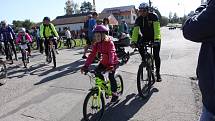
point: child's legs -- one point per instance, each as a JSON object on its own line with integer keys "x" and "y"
{"x": 113, "y": 81}
{"x": 99, "y": 69}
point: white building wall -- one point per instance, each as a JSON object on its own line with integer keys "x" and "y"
{"x": 72, "y": 27}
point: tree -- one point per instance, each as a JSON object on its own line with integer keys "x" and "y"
{"x": 175, "y": 18}
{"x": 164, "y": 21}
{"x": 170, "y": 15}
{"x": 17, "y": 23}
{"x": 86, "y": 7}
{"x": 26, "y": 24}
{"x": 71, "y": 7}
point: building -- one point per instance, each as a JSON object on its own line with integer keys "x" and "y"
{"x": 76, "y": 22}
{"x": 128, "y": 13}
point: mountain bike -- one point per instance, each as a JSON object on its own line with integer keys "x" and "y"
{"x": 63, "y": 42}
{"x": 94, "y": 103}
{"x": 25, "y": 54}
{"x": 146, "y": 74}
{"x": 51, "y": 51}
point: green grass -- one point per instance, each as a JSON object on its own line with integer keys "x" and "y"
{"x": 78, "y": 43}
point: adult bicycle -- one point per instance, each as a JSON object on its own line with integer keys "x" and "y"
{"x": 51, "y": 51}
{"x": 146, "y": 74}
{"x": 25, "y": 54}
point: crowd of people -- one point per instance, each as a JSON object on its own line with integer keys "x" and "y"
{"x": 97, "y": 33}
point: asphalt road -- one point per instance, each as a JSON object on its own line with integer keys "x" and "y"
{"x": 41, "y": 93}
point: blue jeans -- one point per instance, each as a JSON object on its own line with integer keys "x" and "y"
{"x": 206, "y": 115}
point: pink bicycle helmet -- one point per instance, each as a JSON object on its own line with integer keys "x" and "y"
{"x": 100, "y": 29}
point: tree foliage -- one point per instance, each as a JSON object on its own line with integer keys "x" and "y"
{"x": 71, "y": 7}
{"x": 164, "y": 21}
{"x": 86, "y": 7}
{"x": 26, "y": 24}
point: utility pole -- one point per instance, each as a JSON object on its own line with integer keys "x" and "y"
{"x": 150, "y": 3}
{"x": 94, "y": 5}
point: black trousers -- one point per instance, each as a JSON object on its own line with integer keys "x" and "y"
{"x": 156, "y": 55}
{"x": 68, "y": 42}
{"x": 101, "y": 68}
{"x": 6, "y": 47}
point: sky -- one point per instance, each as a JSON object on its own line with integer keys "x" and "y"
{"x": 35, "y": 10}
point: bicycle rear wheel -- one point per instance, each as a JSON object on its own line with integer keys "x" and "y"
{"x": 34, "y": 45}
{"x": 73, "y": 43}
{"x": 59, "y": 44}
{"x": 144, "y": 80}
{"x": 94, "y": 106}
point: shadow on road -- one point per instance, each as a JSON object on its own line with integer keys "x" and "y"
{"x": 63, "y": 71}
{"x": 126, "y": 109}
{"x": 24, "y": 71}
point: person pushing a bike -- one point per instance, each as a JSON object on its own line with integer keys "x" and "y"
{"x": 147, "y": 29}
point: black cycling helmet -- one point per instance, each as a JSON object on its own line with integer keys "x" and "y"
{"x": 46, "y": 18}
{"x": 144, "y": 6}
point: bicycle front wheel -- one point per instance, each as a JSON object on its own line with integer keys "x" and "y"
{"x": 120, "y": 85}
{"x": 144, "y": 80}
{"x": 94, "y": 106}
{"x": 54, "y": 58}
{"x": 24, "y": 59}
{"x": 3, "y": 73}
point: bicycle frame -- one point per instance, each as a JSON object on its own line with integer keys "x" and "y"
{"x": 100, "y": 85}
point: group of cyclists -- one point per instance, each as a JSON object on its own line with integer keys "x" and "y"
{"x": 146, "y": 28}
{"x": 7, "y": 36}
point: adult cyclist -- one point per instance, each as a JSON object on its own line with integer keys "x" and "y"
{"x": 47, "y": 30}
{"x": 8, "y": 35}
{"x": 146, "y": 29}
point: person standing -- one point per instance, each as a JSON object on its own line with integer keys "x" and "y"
{"x": 200, "y": 28}
{"x": 68, "y": 37}
{"x": 91, "y": 25}
{"x": 8, "y": 35}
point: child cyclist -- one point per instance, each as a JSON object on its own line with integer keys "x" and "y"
{"x": 24, "y": 38}
{"x": 109, "y": 62}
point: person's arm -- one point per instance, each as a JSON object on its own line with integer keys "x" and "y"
{"x": 156, "y": 27}
{"x": 200, "y": 27}
{"x": 136, "y": 30}
{"x": 41, "y": 31}
{"x": 91, "y": 57}
{"x": 54, "y": 30}
{"x": 28, "y": 37}
{"x": 12, "y": 32}
{"x": 111, "y": 53}
{"x": 18, "y": 39}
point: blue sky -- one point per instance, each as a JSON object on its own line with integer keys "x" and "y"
{"x": 35, "y": 10}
